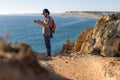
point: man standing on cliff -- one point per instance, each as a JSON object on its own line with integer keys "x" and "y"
{"x": 47, "y": 24}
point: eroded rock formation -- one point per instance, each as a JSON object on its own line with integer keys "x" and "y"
{"x": 104, "y": 39}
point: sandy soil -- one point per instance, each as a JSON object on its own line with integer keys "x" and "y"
{"x": 83, "y": 67}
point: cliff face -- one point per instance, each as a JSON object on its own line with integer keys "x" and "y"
{"x": 104, "y": 39}
{"x": 82, "y": 14}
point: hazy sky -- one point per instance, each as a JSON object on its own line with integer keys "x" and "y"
{"x": 57, "y": 6}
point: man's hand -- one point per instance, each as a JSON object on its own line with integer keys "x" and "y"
{"x": 38, "y": 22}
{"x": 41, "y": 23}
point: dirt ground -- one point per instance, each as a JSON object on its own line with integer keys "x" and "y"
{"x": 83, "y": 67}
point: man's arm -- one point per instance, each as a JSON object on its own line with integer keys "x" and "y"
{"x": 41, "y": 23}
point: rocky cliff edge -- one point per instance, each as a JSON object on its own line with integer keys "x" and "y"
{"x": 103, "y": 39}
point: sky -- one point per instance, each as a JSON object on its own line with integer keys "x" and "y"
{"x": 57, "y": 6}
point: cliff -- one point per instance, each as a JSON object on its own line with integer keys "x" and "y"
{"x": 104, "y": 39}
{"x": 86, "y": 14}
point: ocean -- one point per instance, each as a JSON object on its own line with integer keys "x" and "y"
{"x": 21, "y": 28}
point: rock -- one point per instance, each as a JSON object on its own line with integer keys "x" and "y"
{"x": 20, "y": 63}
{"x": 67, "y": 47}
{"x": 104, "y": 39}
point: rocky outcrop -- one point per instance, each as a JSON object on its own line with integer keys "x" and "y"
{"x": 104, "y": 39}
{"x": 67, "y": 48}
{"x": 19, "y": 62}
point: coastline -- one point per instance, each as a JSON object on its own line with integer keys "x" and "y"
{"x": 87, "y": 14}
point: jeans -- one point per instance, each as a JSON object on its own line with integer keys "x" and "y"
{"x": 47, "y": 44}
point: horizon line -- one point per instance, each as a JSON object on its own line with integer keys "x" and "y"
{"x": 18, "y": 13}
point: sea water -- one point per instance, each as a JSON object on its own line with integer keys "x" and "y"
{"x": 21, "y": 28}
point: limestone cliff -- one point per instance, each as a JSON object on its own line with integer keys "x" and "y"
{"x": 104, "y": 39}
{"x": 85, "y": 14}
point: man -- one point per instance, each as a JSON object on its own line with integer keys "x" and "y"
{"x": 47, "y": 24}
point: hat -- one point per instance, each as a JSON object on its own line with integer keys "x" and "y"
{"x": 46, "y": 11}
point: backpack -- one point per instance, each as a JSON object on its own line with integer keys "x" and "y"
{"x": 53, "y": 26}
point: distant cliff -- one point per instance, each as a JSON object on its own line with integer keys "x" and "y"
{"x": 104, "y": 39}
{"x": 86, "y": 14}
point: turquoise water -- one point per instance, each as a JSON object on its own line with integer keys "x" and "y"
{"x": 21, "y": 28}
